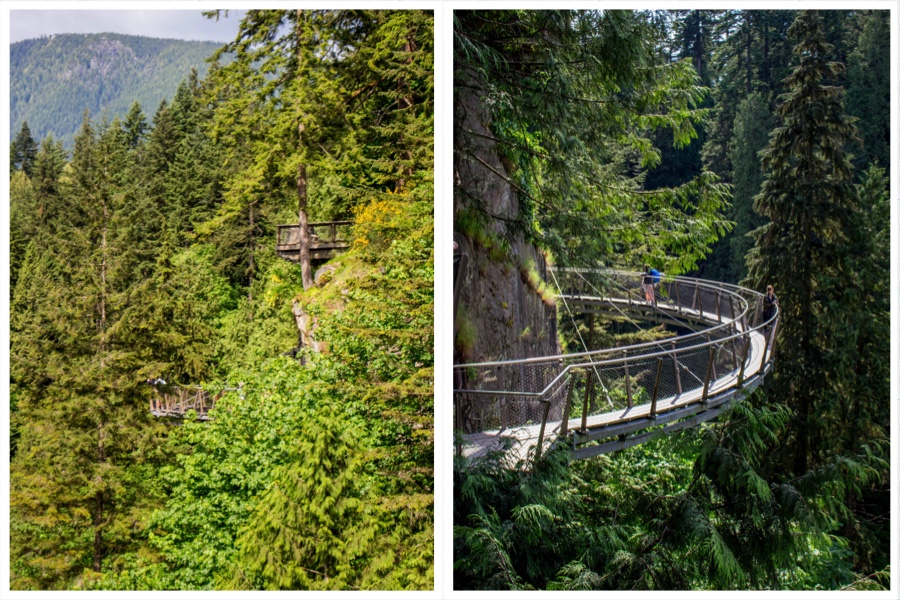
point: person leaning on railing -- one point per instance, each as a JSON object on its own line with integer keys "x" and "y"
{"x": 770, "y": 301}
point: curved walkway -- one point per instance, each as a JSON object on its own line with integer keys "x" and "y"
{"x": 606, "y": 400}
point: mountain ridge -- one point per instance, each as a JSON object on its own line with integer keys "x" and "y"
{"x": 55, "y": 78}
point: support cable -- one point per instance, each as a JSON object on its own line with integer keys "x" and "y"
{"x": 583, "y": 345}
{"x": 630, "y": 320}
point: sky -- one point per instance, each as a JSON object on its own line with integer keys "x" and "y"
{"x": 177, "y": 24}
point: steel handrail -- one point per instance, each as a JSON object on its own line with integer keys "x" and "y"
{"x": 625, "y": 359}
{"x": 557, "y": 357}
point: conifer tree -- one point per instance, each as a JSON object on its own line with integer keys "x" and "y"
{"x": 135, "y": 125}
{"x": 868, "y": 90}
{"x": 23, "y": 150}
{"x": 84, "y": 470}
{"x": 751, "y": 133}
{"x": 809, "y": 198}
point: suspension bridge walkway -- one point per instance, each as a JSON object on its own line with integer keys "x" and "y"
{"x": 599, "y": 401}
{"x": 176, "y": 401}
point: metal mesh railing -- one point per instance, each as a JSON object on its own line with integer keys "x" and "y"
{"x": 612, "y": 385}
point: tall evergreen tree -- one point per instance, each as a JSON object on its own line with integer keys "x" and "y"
{"x": 23, "y": 150}
{"x": 809, "y": 198}
{"x": 752, "y": 126}
{"x": 135, "y": 125}
{"x": 868, "y": 91}
{"x": 84, "y": 472}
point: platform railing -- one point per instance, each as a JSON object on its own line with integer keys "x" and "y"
{"x": 603, "y": 387}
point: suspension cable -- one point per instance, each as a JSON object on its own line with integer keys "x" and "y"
{"x": 583, "y": 344}
{"x": 630, "y": 320}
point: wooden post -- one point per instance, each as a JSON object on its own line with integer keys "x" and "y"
{"x": 627, "y": 379}
{"x": 709, "y": 371}
{"x": 564, "y": 427}
{"x": 540, "y": 444}
{"x": 677, "y": 369}
{"x": 588, "y": 384}
{"x": 659, "y": 362}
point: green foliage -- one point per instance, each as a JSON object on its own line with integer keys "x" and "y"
{"x": 809, "y": 198}
{"x": 23, "y": 150}
{"x": 752, "y": 125}
{"x": 573, "y": 98}
{"x": 868, "y": 91}
{"x": 697, "y": 511}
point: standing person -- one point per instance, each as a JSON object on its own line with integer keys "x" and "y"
{"x": 770, "y": 301}
{"x": 649, "y": 283}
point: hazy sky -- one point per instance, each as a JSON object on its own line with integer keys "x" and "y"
{"x": 177, "y": 24}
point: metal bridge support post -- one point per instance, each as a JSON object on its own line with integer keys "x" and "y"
{"x": 564, "y": 426}
{"x": 540, "y": 444}
{"x": 733, "y": 333}
{"x": 774, "y": 331}
{"x": 699, "y": 302}
{"x": 767, "y": 335}
{"x": 747, "y": 343}
{"x": 677, "y": 297}
{"x": 588, "y": 387}
{"x": 714, "y": 374}
{"x": 677, "y": 369}
{"x": 659, "y": 362}
{"x": 718, "y": 306}
{"x": 627, "y": 379}
{"x": 709, "y": 371}
{"x": 696, "y": 295}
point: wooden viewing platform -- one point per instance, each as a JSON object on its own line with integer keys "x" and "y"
{"x": 326, "y": 239}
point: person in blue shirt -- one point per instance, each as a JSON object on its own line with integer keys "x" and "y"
{"x": 650, "y": 284}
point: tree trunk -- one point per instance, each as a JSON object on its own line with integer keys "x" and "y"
{"x": 749, "y": 58}
{"x": 251, "y": 264}
{"x": 305, "y": 268}
{"x": 98, "y": 534}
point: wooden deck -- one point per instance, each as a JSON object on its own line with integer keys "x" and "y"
{"x": 326, "y": 240}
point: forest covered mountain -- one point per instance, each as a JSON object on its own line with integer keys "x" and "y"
{"x": 54, "y": 79}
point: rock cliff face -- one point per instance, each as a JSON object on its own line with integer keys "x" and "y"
{"x": 501, "y": 315}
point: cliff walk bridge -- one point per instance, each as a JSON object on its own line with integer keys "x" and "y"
{"x": 176, "y": 401}
{"x": 605, "y": 400}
